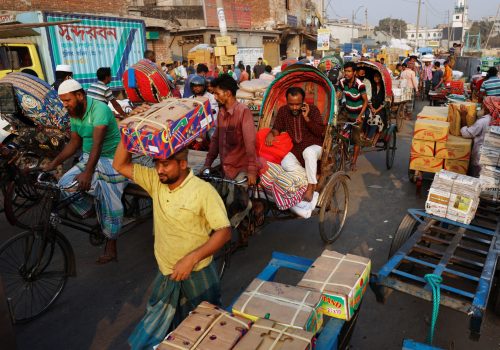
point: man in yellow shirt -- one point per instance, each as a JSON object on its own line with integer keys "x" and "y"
{"x": 190, "y": 225}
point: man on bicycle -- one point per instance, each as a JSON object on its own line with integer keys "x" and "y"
{"x": 94, "y": 129}
{"x": 190, "y": 225}
{"x": 356, "y": 101}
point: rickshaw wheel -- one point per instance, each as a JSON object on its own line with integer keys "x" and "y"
{"x": 400, "y": 116}
{"x": 334, "y": 206}
{"x": 406, "y": 228}
{"x": 390, "y": 149}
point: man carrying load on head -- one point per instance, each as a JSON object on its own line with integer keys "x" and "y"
{"x": 94, "y": 129}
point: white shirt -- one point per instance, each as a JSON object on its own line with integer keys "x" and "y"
{"x": 476, "y": 131}
{"x": 213, "y": 103}
{"x": 368, "y": 86}
{"x": 266, "y": 76}
{"x": 182, "y": 72}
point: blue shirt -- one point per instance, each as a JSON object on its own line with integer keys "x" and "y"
{"x": 187, "y": 86}
{"x": 491, "y": 87}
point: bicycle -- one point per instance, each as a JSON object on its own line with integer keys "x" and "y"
{"x": 35, "y": 264}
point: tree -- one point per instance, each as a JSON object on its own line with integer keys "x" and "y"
{"x": 395, "y": 27}
{"x": 483, "y": 28}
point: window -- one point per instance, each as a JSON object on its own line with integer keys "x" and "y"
{"x": 457, "y": 17}
{"x": 413, "y": 35}
{"x": 434, "y": 35}
{"x": 287, "y": 4}
{"x": 420, "y": 35}
{"x": 15, "y": 57}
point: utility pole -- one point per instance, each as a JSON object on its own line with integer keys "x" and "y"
{"x": 463, "y": 26}
{"x": 221, "y": 17}
{"x": 390, "y": 26}
{"x": 449, "y": 29}
{"x": 418, "y": 22}
{"x": 366, "y": 21}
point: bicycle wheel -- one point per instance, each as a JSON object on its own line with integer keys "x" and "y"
{"x": 34, "y": 268}
{"x": 400, "y": 116}
{"x": 390, "y": 149}
{"x": 21, "y": 201}
{"x": 222, "y": 258}
{"x": 334, "y": 207}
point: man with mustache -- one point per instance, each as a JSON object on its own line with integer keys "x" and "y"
{"x": 95, "y": 131}
{"x": 305, "y": 125}
{"x": 190, "y": 225}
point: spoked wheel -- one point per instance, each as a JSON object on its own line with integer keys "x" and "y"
{"x": 406, "y": 228}
{"x": 400, "y": 116}
{"x": 334, "y": 207}
{"x": 339, "y": 157}
{"x": 34, "y": 270}
{"x": 221, "y": 259}
{"x": 21, "y": 201}
{"x": 390, "y": 148}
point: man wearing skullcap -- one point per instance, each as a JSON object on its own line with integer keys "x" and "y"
{"x": 63, "y": 72}
{"x": 95, "y": 131}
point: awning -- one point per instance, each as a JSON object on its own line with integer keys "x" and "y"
{"x": 310, "y": 37}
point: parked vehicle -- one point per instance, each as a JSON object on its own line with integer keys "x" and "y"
{"x": 85, "y": 42}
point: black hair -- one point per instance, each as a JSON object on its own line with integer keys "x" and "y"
{"x": 241, "y": 66}
{"x": 163, "y": 64}
{"x": 249, "y": 71}
{"x": 398, "y": 65}
{"x": 103, "y": 73}
{"x": 350, "y": 64}
{"x": 404, "y": 65}
{"x": 492, "y": 72}
{"x": 268, "y": 69}
{"x": 226, "y": 82}
{"x": 201, "y": 68}
{"x": 63, "y": 75}
{"x": 294, "y": 91}
{"x": 191, "y": 61}
{"x": 358, "y": 68}
{"x": 30, "y": 72}
{"x": 381, "y": 58}
{"x": 149, "y": 54}
{"x": 184, "y": 61}
{"x": 437, "y": 64}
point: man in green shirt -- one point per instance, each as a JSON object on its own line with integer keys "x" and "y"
{"x": 94, "y": 129}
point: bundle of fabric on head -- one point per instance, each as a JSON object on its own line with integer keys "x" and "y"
{"x": 146, "y": 82}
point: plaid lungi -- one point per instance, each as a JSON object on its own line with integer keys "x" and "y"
{"x": 171, "y": 302}
{"x": 106, "y": 192}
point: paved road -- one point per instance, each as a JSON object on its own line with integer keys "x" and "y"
{"x": 100, "y": 307}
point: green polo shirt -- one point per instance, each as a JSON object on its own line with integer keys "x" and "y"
{"x": 97, "y": 113}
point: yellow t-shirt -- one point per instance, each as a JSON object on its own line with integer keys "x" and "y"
{"x": 183, "y": 218}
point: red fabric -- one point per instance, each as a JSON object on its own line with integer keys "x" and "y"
{"x": 282, "y": 144}
{"x": 151, "y": 82}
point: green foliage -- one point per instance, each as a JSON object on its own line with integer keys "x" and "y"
{"x": 394, "y": 26}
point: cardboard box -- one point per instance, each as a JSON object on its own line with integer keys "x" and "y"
{"x": 269, "y": 335}
{"x": 207, "y": 327}
{"x": 223, "y": 40}
{"x": 434, "y": 113}
{"x": 166, "y": 127}
{"x": 424, "y": 163}
{"x": 287, "y": 305}
{"x": 219, "y": 51}
{"x": 342, "y": 279}
{"x": 231, "y": 50}
{"x": 422, "y": 147}
{"x": 454, "y": 148}
{"x": 457, "y": 166}
{"x": 431, "y": 130}
{"x": 226, "y": 60}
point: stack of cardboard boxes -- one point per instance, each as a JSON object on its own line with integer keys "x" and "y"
{"x": 433, "y": 146}
{"x": 271, "y": 315}
{"x": 225, "y": 51}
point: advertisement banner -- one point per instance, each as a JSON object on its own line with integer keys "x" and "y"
{"x": 323, "y": 39}
{"x": 96, "y": 42}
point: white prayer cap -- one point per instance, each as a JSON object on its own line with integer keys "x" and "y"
{"x": 69, "y": 85}
{"x": 64, "y": 68}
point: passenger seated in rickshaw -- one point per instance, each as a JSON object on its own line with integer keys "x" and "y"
{"x": 305, "y": 125}
{"x": 377, "y": 120}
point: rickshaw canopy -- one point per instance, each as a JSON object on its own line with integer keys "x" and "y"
{"x": 372, "y": 67}
{"x": 332, "y": 60}
{"x": 318, "y": 88}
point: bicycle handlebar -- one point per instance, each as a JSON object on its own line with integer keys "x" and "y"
{"x": 206, "y": 176}
{"x": 54, "y": 185}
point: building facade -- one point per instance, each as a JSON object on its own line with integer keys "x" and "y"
{"x": 426, "y": 37}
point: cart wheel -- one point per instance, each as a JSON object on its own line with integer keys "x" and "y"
{"x": 406, "y": 228}
{"x": 21, "y": 201}
{"x": 400, "y": 116}
{"x": 390, "y": 149}
{"x": 334, "y": 208}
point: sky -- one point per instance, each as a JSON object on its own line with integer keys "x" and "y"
{"x": 407, "y": 10}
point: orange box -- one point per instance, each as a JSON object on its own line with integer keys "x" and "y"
{"x": 431, "y": 130}
{"x": 424, "y": 163}
{"x": 434, "y": 113}
{"x": 454, "y": 148}
{"x": 422, "y": 147}
{"x": 457, "y": 165}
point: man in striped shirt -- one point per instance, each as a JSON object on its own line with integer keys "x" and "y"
{"x": 491, "y": 86}
{"x": 100, "y": 90}
{"x": 356, "y": 100}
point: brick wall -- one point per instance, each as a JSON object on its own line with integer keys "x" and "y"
{"x": 260, "y": 10}
{"x": 86, "y": 6}
{"x": 160, "y": 47}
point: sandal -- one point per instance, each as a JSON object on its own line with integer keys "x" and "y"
{"x": 105, "y": 258}
{"x": 258, "y": 212}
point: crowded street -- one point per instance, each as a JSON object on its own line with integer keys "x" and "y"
{"x": 259, "y": 175}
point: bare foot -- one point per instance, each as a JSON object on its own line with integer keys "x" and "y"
{"x": 110, "y": 253}
{"x": 308, "y": 195}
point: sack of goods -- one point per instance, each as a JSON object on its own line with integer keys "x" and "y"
{"x": 146, "y": 82}
{"x": 342, "y": 281}
{"x": 37, "y": 101}
{"x": 288, "y": 305}
{"x": 490, "y": 165}
{"x": 166, "y": 127}
{"x": 454, "y": 116}
{"x": 453, "y": 196}
{"x": 207, "y": 327}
